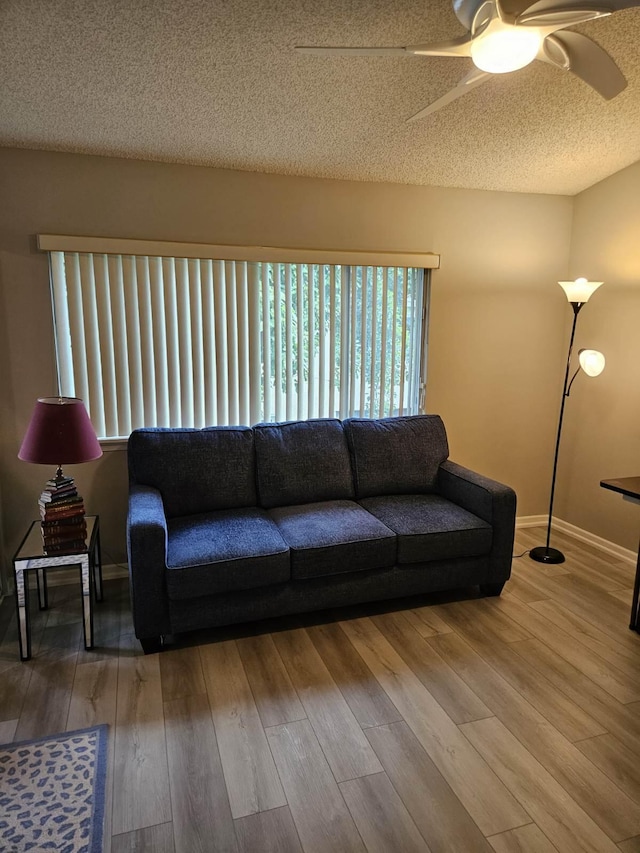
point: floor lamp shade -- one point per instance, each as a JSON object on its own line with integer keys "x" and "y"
{"x": 59, "y": 433}
{"x": 591, "y": 361}
{"x": 579, "y": 290}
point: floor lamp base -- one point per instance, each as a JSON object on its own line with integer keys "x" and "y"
{"x": 546, "y": 555}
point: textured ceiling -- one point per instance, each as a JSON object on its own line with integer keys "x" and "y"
{"x": 217, "y": 82}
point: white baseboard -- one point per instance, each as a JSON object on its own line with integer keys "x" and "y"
{"x": 113, "y": 571}
{"x": 605, "y": 545}
{"x": 62, "y": 577}
{"x": 585, "y": 536}
{"x": 531, "y": 521}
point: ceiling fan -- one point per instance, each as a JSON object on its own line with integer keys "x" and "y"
{"x": 505, "y": 35}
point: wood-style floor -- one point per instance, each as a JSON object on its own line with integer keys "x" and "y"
{"x": 444, "y": 724}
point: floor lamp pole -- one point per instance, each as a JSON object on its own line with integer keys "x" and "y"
{"x": 545, "y": 554}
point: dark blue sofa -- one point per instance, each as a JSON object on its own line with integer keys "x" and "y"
{"x": 234, "y": 524}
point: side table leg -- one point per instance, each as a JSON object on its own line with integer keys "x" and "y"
{"x": 96, "y": 558}
{"x": 87, "y": 604}
{"x": 43, "y": 595}
{"x": 22, "y": 604}
{"x": 636, "y": 594}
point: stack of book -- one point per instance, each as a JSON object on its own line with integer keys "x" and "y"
{"x": 63, "y": 525}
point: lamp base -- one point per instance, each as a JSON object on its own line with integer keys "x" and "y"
{"x": 546, "y": 555}
{"x": 62, "y": 519}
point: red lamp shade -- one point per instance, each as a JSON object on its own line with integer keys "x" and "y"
{"x": 59, "y": 433}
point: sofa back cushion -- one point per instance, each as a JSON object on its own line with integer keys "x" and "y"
{"x": 302, "y": 462}
{"x": 195, "y": 470}
{"x": 395, "y": 456}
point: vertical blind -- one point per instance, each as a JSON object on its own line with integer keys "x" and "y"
{"x": 163, "y": 341}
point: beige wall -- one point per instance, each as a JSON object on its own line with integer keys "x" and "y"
{"x": 602, "y": 439}
{"x": 497, "y": 319}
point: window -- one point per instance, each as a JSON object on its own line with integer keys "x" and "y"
{"x": 158, "y": 340}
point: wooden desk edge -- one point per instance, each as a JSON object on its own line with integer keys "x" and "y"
{"x": 616, "y": 485}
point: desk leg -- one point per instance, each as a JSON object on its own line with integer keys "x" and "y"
{"x": 22, "y": 604}
{"x": 636, "y": 594}
{"x": 87, "y": 608}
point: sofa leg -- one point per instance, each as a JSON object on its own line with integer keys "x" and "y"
{"x": 491, "y": 588}
{"x": 150, "y": 645}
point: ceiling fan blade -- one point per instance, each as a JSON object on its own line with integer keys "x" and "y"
{"x": 354, "y": 51}
{"x": 473, "y": 79}
{"x": 466, "y": 10}
{"x": 475, "y": 15}
{"x": 454, "y": 47}
{"x": 586, "y": 59}
{"x": 555, "y": 8}
{"x": 560, "y": 16}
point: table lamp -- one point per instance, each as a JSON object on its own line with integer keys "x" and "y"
{"x": 60, "y": 433}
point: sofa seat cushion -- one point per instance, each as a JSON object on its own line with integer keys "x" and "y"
{"x": 330, "y": 537}
{"x": 222, "y": 551}
{"x": 430, "y": 527}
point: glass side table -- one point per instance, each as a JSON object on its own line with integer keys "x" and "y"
{"x": 31, "y": 556}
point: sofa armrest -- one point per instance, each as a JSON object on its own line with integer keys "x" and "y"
{"x": 147, "y": 550}
{"x": 491, "y": 501}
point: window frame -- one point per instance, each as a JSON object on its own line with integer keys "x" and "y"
{"x": 173, "y": 250}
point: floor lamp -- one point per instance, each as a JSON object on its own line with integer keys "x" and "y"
{"x": 592, "y": 362}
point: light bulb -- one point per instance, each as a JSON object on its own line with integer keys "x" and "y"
{"x": 579, "y": 290}
{"x": 591, "y": 361}
{"x": 505, "y": 47}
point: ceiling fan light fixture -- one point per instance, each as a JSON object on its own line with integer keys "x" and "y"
{"x": 506, "y": 35}
{"x": 505, "y": 48}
